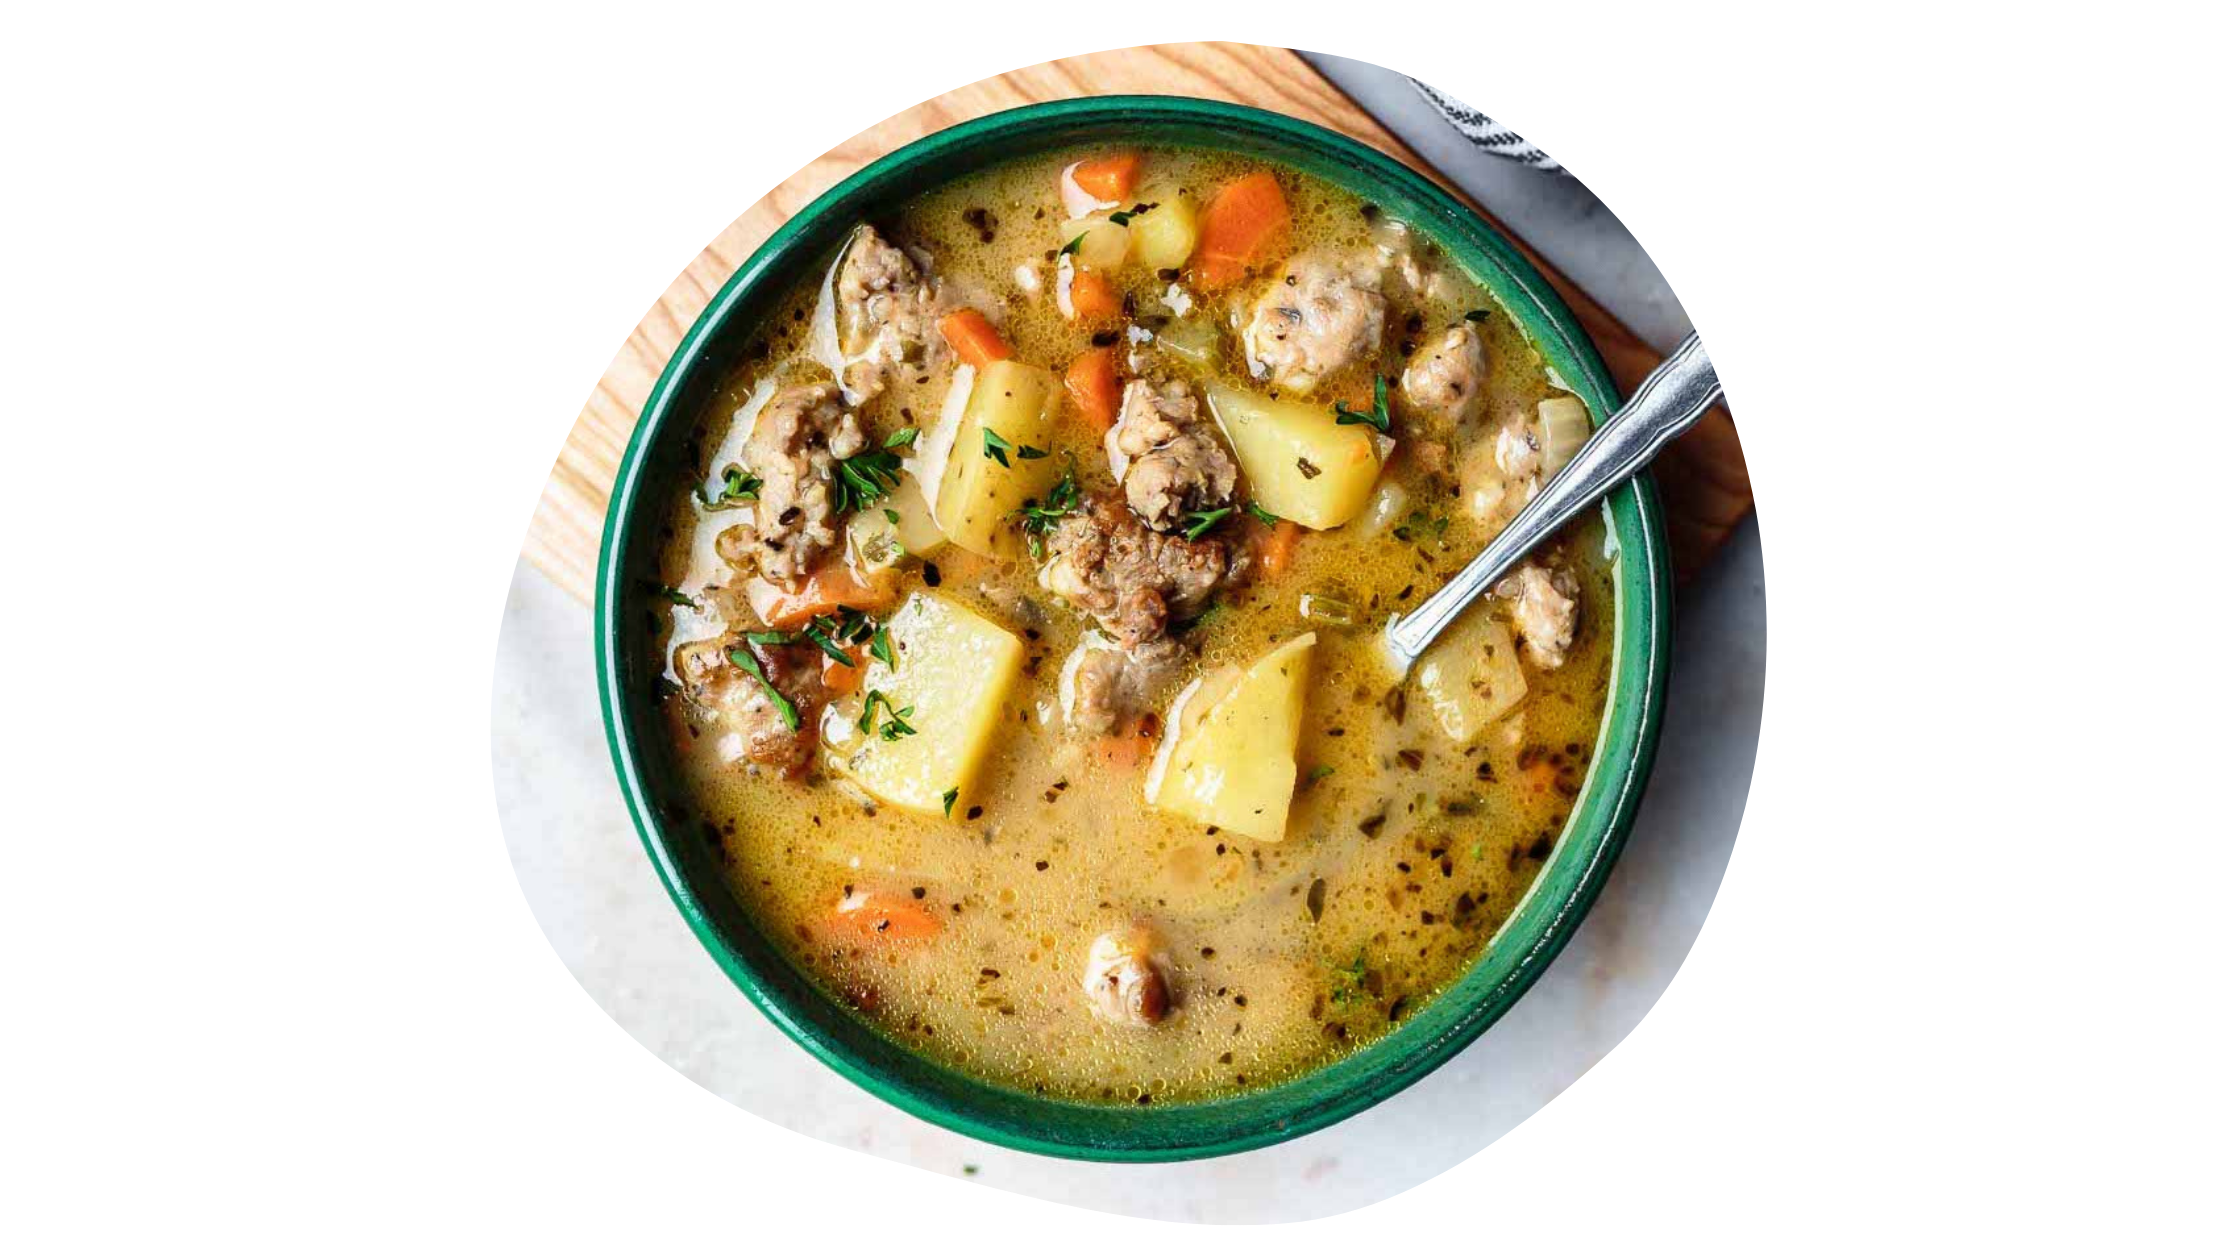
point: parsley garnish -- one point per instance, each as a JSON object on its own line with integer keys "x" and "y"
{"x": 738, "y": 483}
{"x": 1319, "y": 773}
{"x": 822, "y": 637}
{"x": 894, "y": 727}
{"x": 1200, "y": 522}
{"x": 901, "y": 437}
{"x": 1265, "y": 516}
{"x": 1074, "y": 246}
{"x": 893, "y": 517}
{"x": 786, "y": 712}
{"x": 1476, "y": 317}
{"x": 1033, "y": 452}
{"x": 1381, "y": 418}
{"x": 882, "y": 648}
{"x": 830, "y": 633}
{"x": 862, "y": 480}
{"x": 1121, "y": 217}
{"x": 1039, "y": 518}
{"x": 949, "y": 802}
{"x": 995, "y": 446}
{"x": 679, "y": 598}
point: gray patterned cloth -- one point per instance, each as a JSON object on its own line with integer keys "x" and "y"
{"x": 1486, "y": 133}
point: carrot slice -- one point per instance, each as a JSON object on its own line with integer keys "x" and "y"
{"x": 885, "y": 916}
{"x": 1109, "y": 178}
{"x": 1094, "y": 299}
{"x": 840, "y": 679}
{"x": 1245, "y": 225}
{"x": 975, "y": 340}
{"x": 822, "y": 593}
{"x": 1093, "y": 379}
{"x": 1277, "y": 546}
{"x": 1124, "y": 752}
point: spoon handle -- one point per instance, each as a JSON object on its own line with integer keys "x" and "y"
{"x": 1674, "y": 397}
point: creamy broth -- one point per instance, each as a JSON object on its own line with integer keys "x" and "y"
{"x": 1405, "y": 848}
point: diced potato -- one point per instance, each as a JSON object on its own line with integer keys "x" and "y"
{"x": 1195, "y": 341}
{"x": 1104, "y": 244}
{"x": 979, "y": 494}
{"x": 1303, "y": 465}
{"x": 1471, "y": 676}
{"x": 1564, "y": 428}
{"x": 1166, "y": 234}
{"x": 877, "y": 542}
{"x": 1236, "y": 767}
{"x": 953, "y": 672}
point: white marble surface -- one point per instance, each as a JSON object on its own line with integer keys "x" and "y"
{"x": 597, "y": 898}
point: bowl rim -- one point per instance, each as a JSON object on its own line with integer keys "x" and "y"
{"x": 1547, "y": 914}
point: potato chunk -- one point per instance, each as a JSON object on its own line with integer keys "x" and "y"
{"x": 1166, "y": 234}
{"x": 1236, "y": 767}
{"x": 899, "y": 525}
{"x": 1471, "y": 675}
{"x": 988, "y": 479}
{"x": 953, "y": 669}
{"x": 1303, "y": 465}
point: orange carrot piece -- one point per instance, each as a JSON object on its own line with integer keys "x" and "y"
{"x": 1132, "y": 746}
{"x": 822, "y": 593}
{"x": 840, "y": 679}
{"x": 1277, "y": 546}
{"x": 975, "y": 340}
{"x": 1094, "y": 299}
{"x": 1124, "y": 752}
{"x": 1093, "y": 379}
{"x": 1245, "y": 225}
{"x": 1109, "y": 178}
{"x": 885, "y": 916}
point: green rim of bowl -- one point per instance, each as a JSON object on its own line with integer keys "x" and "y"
{"x": 1544, "y": 920}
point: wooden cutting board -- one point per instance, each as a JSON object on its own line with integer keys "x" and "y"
{"x": 1705, "y": 483}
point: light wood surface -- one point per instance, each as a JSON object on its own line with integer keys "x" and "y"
{"x": 1706, "y": 485}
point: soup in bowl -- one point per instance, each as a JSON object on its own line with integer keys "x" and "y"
{"x": 991, "y": 619}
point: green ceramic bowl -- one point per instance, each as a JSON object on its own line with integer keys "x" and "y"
{"x": 689, "y": 859}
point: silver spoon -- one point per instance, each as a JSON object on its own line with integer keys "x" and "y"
{"x": 1674, "y": 397}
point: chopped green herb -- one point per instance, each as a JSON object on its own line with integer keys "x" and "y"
{"x": 786, "y": 712}
{"x": 1420, "y": 522}
{"x": 1319, "y": 773}
{"x": 738, "y": 483}
{"x": 862, "y": 480}
{"x": 1200, "y": 522}
{"x": 1265, "y": 516}
{"x": 679, "y": 598}
{"x": 882, "y": 648}
{"x": 1380, "y": 419}
{"x": 1033, "y": 452}
{"x": 1477, "y": 317}
{"x": 1121, "y": 217}
{"x": 901, "y": 437}
{"x": 1074, "y": 246}
{"x": 949, "y": 802}
{"x": 893, "y": 517}
{"x": 1039, "y": 518}
{"x": 772, "y": 638}
{"x": 995, "y": 446}
{"x": 970, "y": 1170}
{"x": 894, "y": 727}
{"x": 821, "y": 635}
